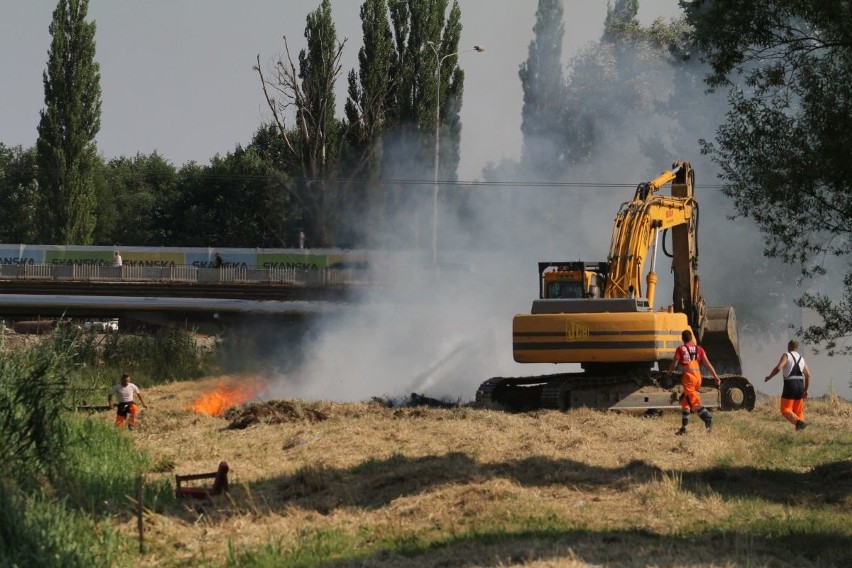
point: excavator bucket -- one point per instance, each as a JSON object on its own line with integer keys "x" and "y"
{"x": 720, "y": 341}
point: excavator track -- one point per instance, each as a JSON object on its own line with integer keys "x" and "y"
{"x": 624, "y": 391}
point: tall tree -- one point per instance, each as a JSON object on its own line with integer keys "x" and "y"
{"x": 19, "y": 192}
{"x": 369, "y": 105}
{"x": 621, "y": 19}
{"x": 451, "y": 85}
{"x": 409, "y": 145}
{"x": 69, "y": 123}
{"x": 543, "y": 83}
{"x": 369, "y": 111}
{"x": 785, "y": 144}
{"x": 391, "y": 111}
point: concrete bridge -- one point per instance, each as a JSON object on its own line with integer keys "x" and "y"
{"x": 174, "y": 295}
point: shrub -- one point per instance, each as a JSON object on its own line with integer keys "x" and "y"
{"x": 32, "y": 389}
{"x": 38, "y": 531}
{"x": 167, "y": 355}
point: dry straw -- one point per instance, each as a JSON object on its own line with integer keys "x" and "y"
{"x": 431, "y": 473}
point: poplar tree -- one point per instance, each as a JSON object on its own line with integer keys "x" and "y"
{"x": 621, "y": 20}
{"x": 409, "y": 146}
{"x": 66, "y": 148}
{"x": 369, "y": 111}
{"x": 415, "y": 23}
{"x": 369, "y": 106}
{"x": 543, "y": 123}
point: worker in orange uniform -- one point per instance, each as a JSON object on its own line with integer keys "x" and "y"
{"x": 797, "y": 380}
{"x": 125, "y": 408}
{"x": 691, "y": 356}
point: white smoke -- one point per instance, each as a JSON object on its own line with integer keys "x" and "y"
{"x": 441, "y": 333}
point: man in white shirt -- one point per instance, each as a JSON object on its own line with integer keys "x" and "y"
{"x": 124, "y": 393}
{"x": 797, "y": 379}
{"x": 116, "y": 260}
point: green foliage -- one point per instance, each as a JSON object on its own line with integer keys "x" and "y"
{"x": 56, "y": 465}
{"x": 238, "y": 200}
{"x": 137, "y": 206}
{"x": 369, "y": 106}
{"x": 61, "y": 191}
{"x": 612, "y": 89}
{"x": 369, "y": 111}
{"x": 452, "y": 89}
{"x": 407, "y": 143}
{"x": 784, "y": 146}
{"x": 103, "y": 468}
{"x": 36, "y": 530}
{"x": 67, "y": 154}
{"x": 319, "y": 67}
{"x": 314, "y": 547}
{"x": 166, "y": 355}
{"x": 34, "y": 435}
{"x": 19, "y": 193}
{"x": 313, "y": 143}
{"x": 621, "y": 19}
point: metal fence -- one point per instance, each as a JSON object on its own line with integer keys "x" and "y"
{"x": 182, "y": 273}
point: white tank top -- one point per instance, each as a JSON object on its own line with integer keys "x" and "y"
{"x": 788, "y": 366}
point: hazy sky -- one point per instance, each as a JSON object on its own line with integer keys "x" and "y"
{"x": 177, "y": 74}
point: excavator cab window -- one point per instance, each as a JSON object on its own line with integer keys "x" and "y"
{"x": 565, "y": 290}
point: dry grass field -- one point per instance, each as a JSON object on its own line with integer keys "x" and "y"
{"x": 362, "y": 484}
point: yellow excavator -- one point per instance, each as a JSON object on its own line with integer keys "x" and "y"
{"x": 600, "y": 315}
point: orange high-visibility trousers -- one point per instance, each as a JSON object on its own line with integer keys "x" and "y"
{"x": 793, "y": 409}
{"x": 132, "y": 410}
{"x": 689, "y": 400}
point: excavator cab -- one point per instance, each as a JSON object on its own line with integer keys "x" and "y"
{"x": 571, "y": 279}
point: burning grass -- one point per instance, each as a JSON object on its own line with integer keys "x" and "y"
{"x": 230, "y": 392}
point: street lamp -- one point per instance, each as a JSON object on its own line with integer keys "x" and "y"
{"x": 438, "y": 62}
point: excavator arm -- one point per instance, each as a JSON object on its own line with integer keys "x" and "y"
{"x": 636, "y": 232}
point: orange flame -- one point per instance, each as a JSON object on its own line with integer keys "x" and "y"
{"x": 215, "y": 403}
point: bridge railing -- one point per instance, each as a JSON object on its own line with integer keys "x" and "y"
{"x": 181, "y": 273}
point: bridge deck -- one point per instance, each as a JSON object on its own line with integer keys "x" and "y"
{"x": 183, "y": 293}
{"x": 283, "y": 284}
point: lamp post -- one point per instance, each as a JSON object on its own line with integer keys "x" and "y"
{"x": 439, "y": 60}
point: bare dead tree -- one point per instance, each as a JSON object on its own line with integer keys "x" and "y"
{"x": 315, "y": 140}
